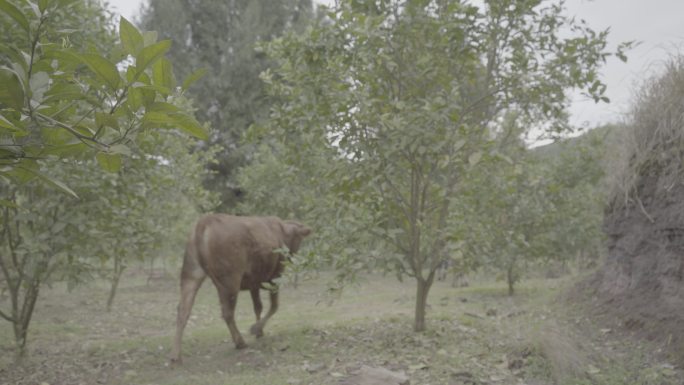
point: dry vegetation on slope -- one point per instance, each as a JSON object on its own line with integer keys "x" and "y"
{"x": 643, "y": 278}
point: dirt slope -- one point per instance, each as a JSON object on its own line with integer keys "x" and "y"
{"x": 642, "y": 277}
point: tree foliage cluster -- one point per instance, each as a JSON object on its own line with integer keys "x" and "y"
{"x": 539, "y": 207}
{"x": 95, "y": 162}
{"x": 220, "y": 37}
{"x": 397, "y": 115}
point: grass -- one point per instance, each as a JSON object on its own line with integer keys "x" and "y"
{"x": 477, "y": 335}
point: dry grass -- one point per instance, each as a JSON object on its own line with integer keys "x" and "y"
{"x": 651, "y": 140}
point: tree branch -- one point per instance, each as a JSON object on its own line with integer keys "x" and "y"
{"x": 5, "y": 316}
{"x": 83, "y": 138}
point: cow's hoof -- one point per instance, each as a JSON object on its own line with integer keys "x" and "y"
{"x": 257, "y": 330}
{"x": 175, "y": 361}
{"x": 240, "y": 345}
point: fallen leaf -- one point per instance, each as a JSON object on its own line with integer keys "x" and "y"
{"x": 593, "y": 370}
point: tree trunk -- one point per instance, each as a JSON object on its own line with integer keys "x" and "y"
{"x": 22, "y": 316}
{"x": 511, "y": 279}
{"x": 422, "y": 290}
{"x": 20, "y": 337}
{"x": 116, "y": 276}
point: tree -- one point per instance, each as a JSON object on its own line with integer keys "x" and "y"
{"x": 143, "y": 210}
{"x": 578, "y": 193}
{"x": 409, "y": 96}
{"x": 514, "y": 206}
{"x": 220, "y": 37}
{"x": 153, "y": 199}
{"x": 64, "y": 101}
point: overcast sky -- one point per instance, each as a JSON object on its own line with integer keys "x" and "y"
{"x": 657, "y": 24}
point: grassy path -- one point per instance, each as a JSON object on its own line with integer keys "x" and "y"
{"x": 477, "y": 335}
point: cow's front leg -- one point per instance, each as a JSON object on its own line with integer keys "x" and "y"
{"x": 258, "y": 328}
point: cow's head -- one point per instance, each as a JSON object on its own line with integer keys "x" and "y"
{"x": 294, "y": 232}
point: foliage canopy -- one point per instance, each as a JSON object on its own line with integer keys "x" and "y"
{"x": 403, "y": 100}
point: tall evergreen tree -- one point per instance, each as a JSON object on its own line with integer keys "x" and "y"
{"x": 220, "y": 36}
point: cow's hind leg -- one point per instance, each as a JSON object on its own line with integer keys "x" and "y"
{"x": 258, "y": 307}
{"x": 228, "y": 289}
{"x": 190, "y": 283}
{"x": 258, "y": 328}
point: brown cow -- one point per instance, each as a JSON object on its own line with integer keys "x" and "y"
{"x": 237, "y": 253}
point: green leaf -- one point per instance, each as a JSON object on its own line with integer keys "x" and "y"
{"x": 63, "y": 92}
{"x": 5, "y": 123}
{"x": 39, "y": 84}
{"x": 120, "y": 149}
{"x": 56, "y": 183}
{"x": 193, "y": 77}
{"x": 28, "y": 170}
{"x": 16, "y": 14}
{"x": 67, "y": 150}
{"x": 191, "y": 126}
{"x": 109, "y": 162}
{"x": 150, "y": 37}
{"x": 149, "y": 55}
{"x": 162, "y": 107}
{"x": 131, "y": 38}
{"x": 67, "y": 59}
{"x": 103, "y": 68}
{"x": 103, "y": 119}
{"x": 11, "y": 89}
{"x": 162, "y": 74}
{"x": 474, "y": 158}
{"x": 154, "y": 119}
{"x": 135, "y": 99}
{"x": 36, "y": 10}
{"x": 15, "y": 55}
{"x": 175, "y": 120}
{"x": 6, "y": 203}
{"x": 54, "y": 136}
{"x": 43, "y": 4}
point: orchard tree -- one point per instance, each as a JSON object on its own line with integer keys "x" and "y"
{"x": 143, "y": 209}
{"x": 514, "y": 207}
{"x": 536, "y": 206}
{"x": 219, "y": 37}
{"x": 580, "y": 193}
{"x": 64, "y": 100}
{"x": 409, "y": 96}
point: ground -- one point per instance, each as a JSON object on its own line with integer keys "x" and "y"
{"x": 476, "y": 335}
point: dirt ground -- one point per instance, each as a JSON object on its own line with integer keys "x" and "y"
{"x": 477, "y": 335}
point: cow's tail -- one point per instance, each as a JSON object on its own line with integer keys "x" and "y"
{"x": 201, "y": 246}
{"x": 201, "y": 243}
{"x": 194, "y": 261}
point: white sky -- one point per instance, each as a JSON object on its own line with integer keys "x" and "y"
{"x": 657, "y": 24}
